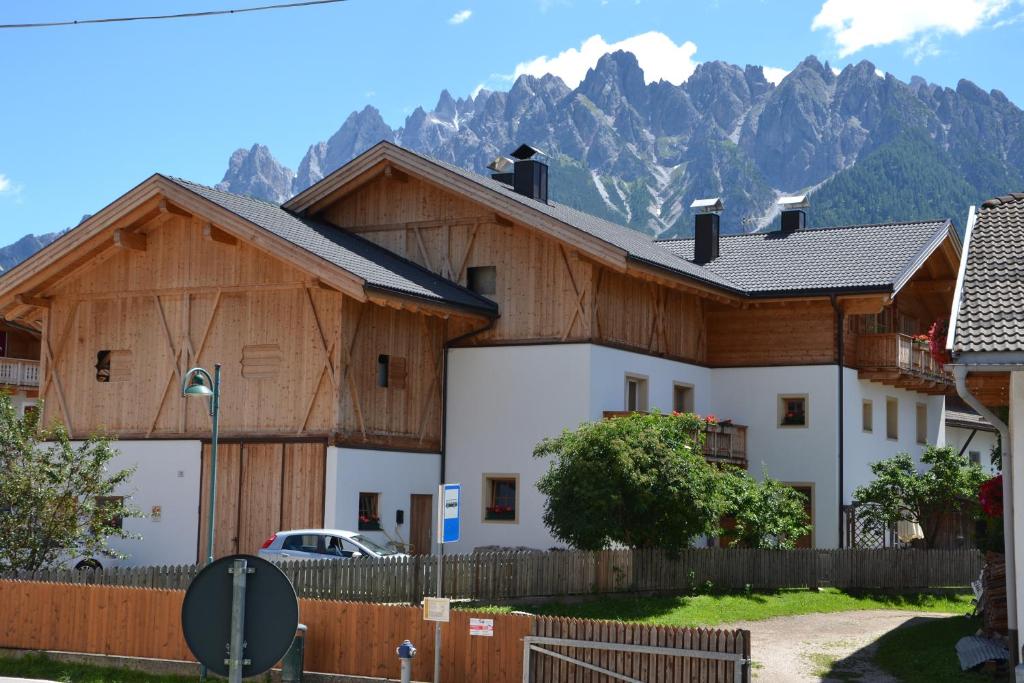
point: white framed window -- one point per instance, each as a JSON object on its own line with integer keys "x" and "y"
{"x": 682, "y": 398}
{"x": 892, "y": 418}
{"x": 922, "y": 423}
{"x": 501, "y": 498}
{"x": 636, "y": 393}
{"x": 867, "y": 415}
{"x": 793, "y": 410}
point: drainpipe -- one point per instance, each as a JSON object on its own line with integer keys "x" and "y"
{"x": 960, "y": 375}
{"x": 840, "y": 352}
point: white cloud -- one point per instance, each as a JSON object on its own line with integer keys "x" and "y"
{"x": 774, "y": 74}
{"x": 658, "y": 55}
{"x": 460, "y": 17}
{"x": 5, "y": 184}
{"x": 857, "y": 24}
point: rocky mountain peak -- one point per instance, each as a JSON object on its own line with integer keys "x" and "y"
{"x": 257, "y": 173}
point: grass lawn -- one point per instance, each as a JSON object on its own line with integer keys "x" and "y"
{"x": 724, "y": 608}
{"x": 924, "y": 653}
{"x": 41, "y": 666}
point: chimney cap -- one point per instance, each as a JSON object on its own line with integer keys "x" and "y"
{"x": 795, "y": 202}
{"x": 501, "y": 164}
{"x": 711, "y": 205}
{"x": 524, "y": 152}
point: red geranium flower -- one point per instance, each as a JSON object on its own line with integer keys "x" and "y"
{"x": 990, "y": 495}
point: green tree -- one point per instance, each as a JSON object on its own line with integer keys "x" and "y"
{"x": 901, "y": 492}
{"x": 56, "y": 499}
{"x": 768, "y": 513}
{"x": 638, "y": 480}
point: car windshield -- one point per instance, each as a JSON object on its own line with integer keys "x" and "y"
{"x": 370, "y": 545}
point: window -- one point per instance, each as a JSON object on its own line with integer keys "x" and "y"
{"x": 867, "y": 416}
{"x": 922, "y": 423}
{"x": 338, "y": 547}
{"x": 975, "y": 457}
{"x": 793, "y": 411}
{"x": 482, "y": 280}
{"x": 304, "y": 543}
{"x": 106, "y": 511}
{"x": 383, "y": 365}
{"x": 369, "y": 515}
{"x": 501, "y": 500}
{"x": 636, "y": 393}
{"x": 892, "y": 418}
{"x": 682, "y": 398}
{"x": 391, "y": 371}
{"x": 30, "y": 409}
{"x": 113, "y": 365}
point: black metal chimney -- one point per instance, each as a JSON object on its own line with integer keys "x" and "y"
{"x": 706, "y": 229}
{"x": 530, "y": 175}
{"x": 793, "y": 216}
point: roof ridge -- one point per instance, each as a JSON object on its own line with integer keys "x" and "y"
{"x": 825, "y": 228}
{"x": 1002, "y": 199}
{"x": 214, "y": 188}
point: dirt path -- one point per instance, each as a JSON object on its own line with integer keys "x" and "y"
{"x": 810, "y": 646}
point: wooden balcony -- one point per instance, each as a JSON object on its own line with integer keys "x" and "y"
{"x": 19, "y": 372}
{"x": 898, "y": 361}
{"x": 725, "y": 443}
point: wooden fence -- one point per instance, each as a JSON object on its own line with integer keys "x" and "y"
{"x": 516, "y": 575}
{"x": 350, "y": 638}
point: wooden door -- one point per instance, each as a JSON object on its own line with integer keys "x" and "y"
{"x": 262, "y": 488}
{"x": 806, "y": 541}
{"x": 421, "y": 515}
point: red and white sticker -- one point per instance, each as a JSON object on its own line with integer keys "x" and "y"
{"x": 481, "y": 627}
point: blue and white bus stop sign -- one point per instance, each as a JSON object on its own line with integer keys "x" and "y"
{"x": 450, "y": 496}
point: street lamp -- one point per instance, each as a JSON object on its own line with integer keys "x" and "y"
{"x": 198, "y": 382}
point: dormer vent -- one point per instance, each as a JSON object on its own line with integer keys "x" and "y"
{"x": 706, "y": 229}
{"x": 529, "y": 174}
{"x": 792, "y": 209}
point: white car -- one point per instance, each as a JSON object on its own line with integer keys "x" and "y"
{"x": 322, "y": 544}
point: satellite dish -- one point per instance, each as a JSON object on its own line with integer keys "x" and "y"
{"x": 270, "y": 614}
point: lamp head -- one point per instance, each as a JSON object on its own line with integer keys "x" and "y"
{"x": 197, "y": 385}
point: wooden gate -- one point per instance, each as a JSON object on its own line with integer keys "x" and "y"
{"x": 262, "y": 488}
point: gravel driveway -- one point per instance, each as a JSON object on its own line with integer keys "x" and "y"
{"x": 803, "y": 648}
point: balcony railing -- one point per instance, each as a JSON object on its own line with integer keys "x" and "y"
{"x": 898, "y": 360}
{"x": 724, "y": 443}
{"x": 18, "y": 372}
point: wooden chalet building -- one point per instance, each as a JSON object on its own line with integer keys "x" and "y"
{"x": 405, "y": 320}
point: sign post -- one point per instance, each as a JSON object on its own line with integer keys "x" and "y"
{"x": 449, "y": 498}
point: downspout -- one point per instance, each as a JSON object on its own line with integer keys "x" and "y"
{"x": 840, "y": 352}
{"x": 960, "y": 375}
{"x": 444, "y": 389}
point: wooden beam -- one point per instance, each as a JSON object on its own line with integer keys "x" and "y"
{"x": 29, "y": 300}
{"x": 502, "y": 221}
{"x": 863, "y": 305}
{"x": 392, "y": 173}
{"x": 932, "y": 286}
{"x": 129, "y": 240}
{"x": 212, "y": 234}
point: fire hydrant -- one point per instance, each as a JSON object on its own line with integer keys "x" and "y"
{"x": 406, "y": 651}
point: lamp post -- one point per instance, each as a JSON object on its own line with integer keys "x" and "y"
{"x": 198, "y": 382}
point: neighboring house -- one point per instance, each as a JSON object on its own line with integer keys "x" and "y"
{"x": 986, "y": 338}
{"x": 19, "y": 364}
{"x": 970, "y": 434}
{"x": 405, "y": 320}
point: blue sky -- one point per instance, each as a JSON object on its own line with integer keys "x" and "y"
{"x": 90, "y": 111}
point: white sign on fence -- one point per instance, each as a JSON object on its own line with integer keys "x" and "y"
{"x": 436, "y": 609}
{"x": 481, "y": 627}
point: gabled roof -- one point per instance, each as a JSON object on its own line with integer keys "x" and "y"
{"x": 851, "y": 258}
{"x": 990, "y": 317}
{"x": 380, "y": 268}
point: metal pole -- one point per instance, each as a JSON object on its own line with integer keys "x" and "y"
{"x": 215, "y": 418}
{"x": 437, "y": 625}
{"x": 235, "y": 660}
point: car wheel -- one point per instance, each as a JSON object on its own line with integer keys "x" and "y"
{"x": 89, "y": 564}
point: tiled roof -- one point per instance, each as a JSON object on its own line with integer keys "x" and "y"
{"x": 959, "y": 414}
{"x": 857, "y": 257}
{"x": 379, "y": 267}
{"x": 991, "y": 317}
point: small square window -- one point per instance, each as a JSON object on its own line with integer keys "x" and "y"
{"x": 482, "y": 280}
{"x": 682, "y": 398}
{"x": 867, "y": 417}
{"x": 113, "y": 365}
{"x": 975, "y": 457}
{"x": 105, "y": 511}
{"x": 369, "y": 512}
{"x": 892, "y": 418}
{"x": 922, "y": 423}
{"x": 792, "y": 411}
{"x": 501, "y": 500}
{"x": 636, "y": 394}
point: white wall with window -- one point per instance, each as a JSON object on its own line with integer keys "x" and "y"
{"x": 979, "y": 446}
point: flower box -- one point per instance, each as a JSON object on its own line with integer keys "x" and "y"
{"x": 369, "y": 523}
{"x": 500, "y": 512}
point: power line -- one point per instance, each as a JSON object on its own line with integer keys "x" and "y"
{"x": 185, "y": 15}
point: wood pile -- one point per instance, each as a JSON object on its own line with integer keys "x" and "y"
{"x": 994, "y": 598}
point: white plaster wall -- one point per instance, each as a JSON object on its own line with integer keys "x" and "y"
{"x": 982, "y": 442}
{"x": 863, "y": 448}
{"x": 167, "y": 475}
{"x": 794, "y": 455}
{"x": 1016, "y": 437}
{"x": 501, "y": 402}
{"x": 609, "y": 368}
{"x": 394, "y": 475}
